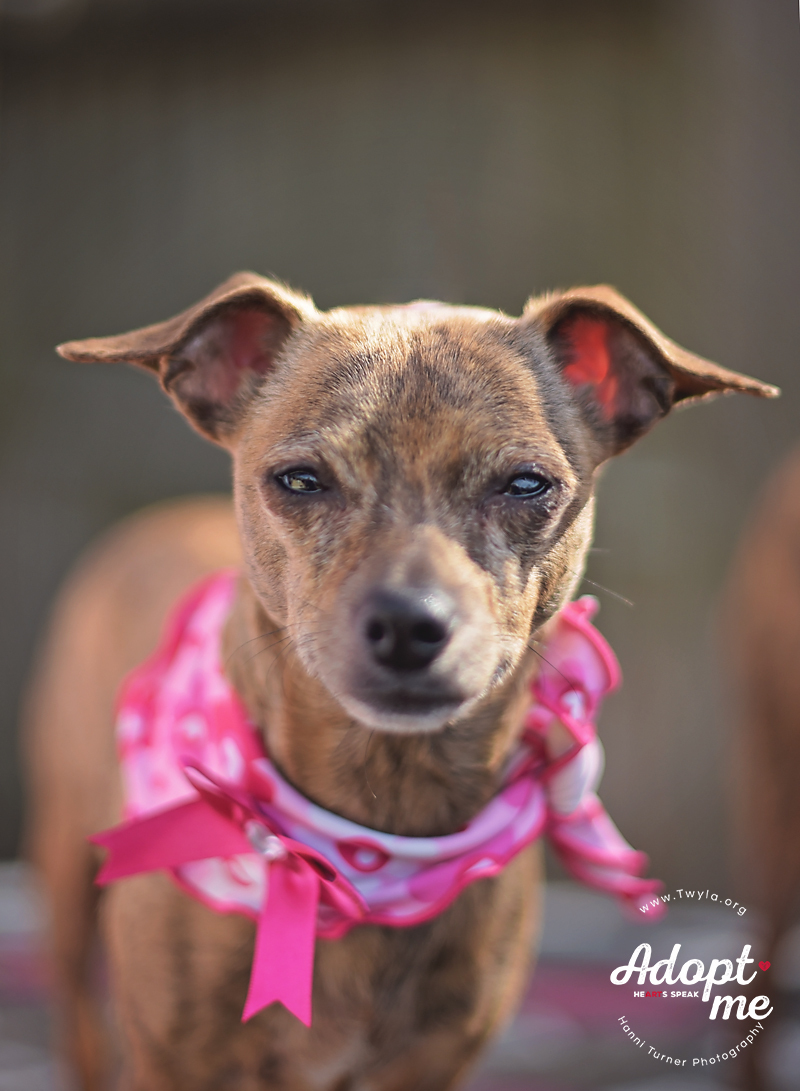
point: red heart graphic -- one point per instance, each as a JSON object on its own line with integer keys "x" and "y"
{"x": 764, "y": 965}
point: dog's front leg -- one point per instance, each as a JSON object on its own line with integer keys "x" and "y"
{"x": 179, "y": 975}
{"x": 422, "y": 1002}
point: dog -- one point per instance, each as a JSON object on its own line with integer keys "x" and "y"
{"x": 761, "y": 626}
{"x": 413, "y": 494}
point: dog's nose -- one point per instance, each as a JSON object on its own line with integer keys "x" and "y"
{"x": 407, "y": 631}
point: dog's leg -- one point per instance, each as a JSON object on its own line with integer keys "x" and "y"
{"x": 68, "y": 738}
{"x": 444, "y": 1014}
{"x": 179, "y": 975}
{"x": 67, "y": 869}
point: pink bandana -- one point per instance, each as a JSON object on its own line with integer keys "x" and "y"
{"x": 204, "y": 801}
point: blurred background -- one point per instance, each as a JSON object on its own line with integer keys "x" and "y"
{"x": 385, "y": 150}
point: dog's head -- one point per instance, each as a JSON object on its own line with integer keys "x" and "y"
{"x": 414, "y": 484}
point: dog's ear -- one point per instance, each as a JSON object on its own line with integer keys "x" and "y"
{"x": 625, "y": 373}
{"x": 212, "y": 357}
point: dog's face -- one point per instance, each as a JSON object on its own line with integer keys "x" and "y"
{"x": 414, "y": 484}
{"x": 412, "y": 492}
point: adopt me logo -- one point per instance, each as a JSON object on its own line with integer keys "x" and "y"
{"x": 680, "y": 977}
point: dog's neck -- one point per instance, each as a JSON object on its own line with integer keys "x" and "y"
{"x": 416, "y": 785}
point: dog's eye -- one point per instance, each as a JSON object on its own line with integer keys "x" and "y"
{"x": 300, "y": 481}
{"x": 528, "y": 486}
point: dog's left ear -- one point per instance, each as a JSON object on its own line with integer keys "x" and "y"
{"x": 625, "y": 373}
{"x": 212, "y": 358}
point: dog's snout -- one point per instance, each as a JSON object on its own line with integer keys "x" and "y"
{"x": 407, "y": 632}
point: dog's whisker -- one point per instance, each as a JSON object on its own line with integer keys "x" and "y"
{"x": 608, "y": 591}
{"x": 289, "y": 636}
{"x": 282, "y": 675}
{"x": 303, "y": 637}
{"x": 600, "y": 586}
{"x": 572, "y": 686}
{"x": 252, "y": 640}
{"x": 261, "y": 651}
{"x": 261, "y": 636}
{"x": 276, "y": 662}
{"x": 313, "y": 605}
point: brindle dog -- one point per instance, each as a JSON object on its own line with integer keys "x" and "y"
{"x": 413, "y": 491}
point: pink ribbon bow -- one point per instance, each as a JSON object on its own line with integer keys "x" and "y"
{"x": 223, "y": 821}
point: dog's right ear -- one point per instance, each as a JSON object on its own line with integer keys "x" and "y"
{"x": 213, "y": 357}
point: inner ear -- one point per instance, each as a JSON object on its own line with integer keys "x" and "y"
{"x": 222, "y": 364}
{"x": 619, "y": 380}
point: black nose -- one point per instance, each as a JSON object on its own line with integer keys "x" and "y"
{"x": 407, "y": 631}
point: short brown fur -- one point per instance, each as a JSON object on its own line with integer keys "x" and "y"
{"x": 420, "y": 425}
